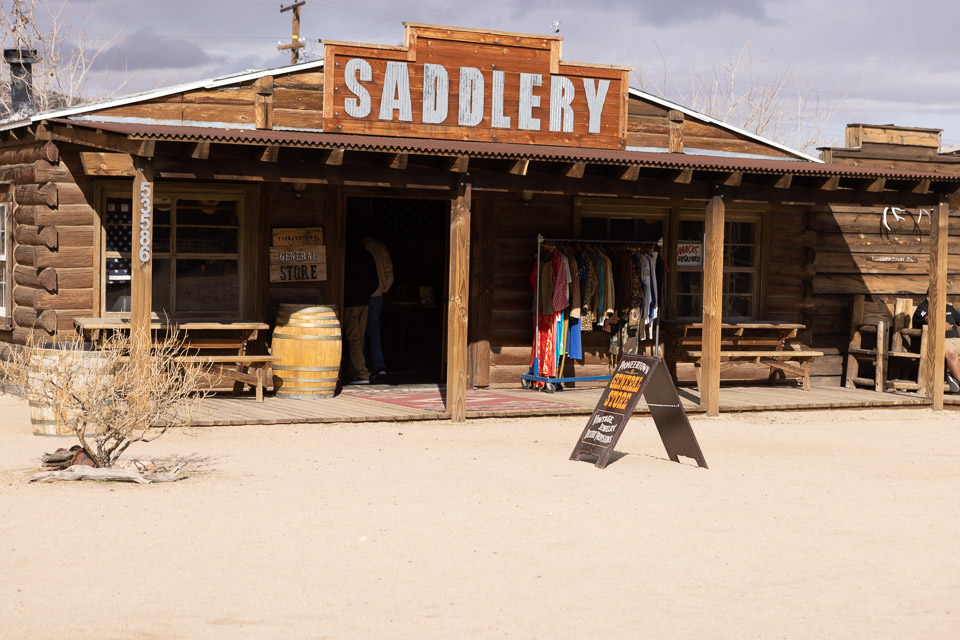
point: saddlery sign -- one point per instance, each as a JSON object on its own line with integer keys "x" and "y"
{"x": 464, "y": 84}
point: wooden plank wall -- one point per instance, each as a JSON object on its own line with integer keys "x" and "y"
{"x": 851, "y": 245}
{"x": 291, "y": 100}
{"x": 53, "y": 275}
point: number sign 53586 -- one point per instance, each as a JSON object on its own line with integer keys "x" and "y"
{"x": 146, "y": 219}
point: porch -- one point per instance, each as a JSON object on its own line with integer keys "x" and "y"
{"x": 388, "y": 403}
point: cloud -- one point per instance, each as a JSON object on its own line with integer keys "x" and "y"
{"x": 659, "y": 13}
{"x": 146, "y": 49}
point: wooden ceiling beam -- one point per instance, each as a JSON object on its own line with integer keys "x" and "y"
{"x": 873, "y": 185}
{"x": 459, "y": 164}
{"x": 630, "y": 172}
{"x": 730, "y": 179}
{"x": 116, "y": 165}
{"x": 574, "y": 169}
{"x": 782, "y": 182}
{"x": 270, "y": 153}
{"x": 333, "y": 157}
{"x": 519, "y": 168}
{"x": 99, "y": 140}
{"x": 399, "y": 161}
{"x": 830, "y": 183}
{"x": 920, "y": 186}
{"x": 201, "y": 150}
{"x": 682, "y": 176}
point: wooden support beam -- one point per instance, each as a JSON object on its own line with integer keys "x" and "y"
{"x": 730, "y": 179}
{"x": 873, "y": 185}
{"x": 683, "y": 176}
{"x": 141, "y": 259}
{"x": 921, "y": 186}
{"x": 270, "y": 153}
{"x": 630, "y": 172}
{"x": 931, "y": 360}
{"x": 263, "y": 103}
{"x": 827, "y": 184}
{"x": 675, "y": 139}
{"x": 333, "y": 157}
{"x": 712, "y": 305}
{"x": 519, "y": 168}
{"x": 457, "y": 311}
{"x": 574, "y": 169}
{"x": 399, "y": 161}
{"x": 201, "y": 150}
{"x": 98, "y": 139}
{"x": 782, "y": 182}
{"x": 459, "y": 164}
{"x": 98, "y": 163}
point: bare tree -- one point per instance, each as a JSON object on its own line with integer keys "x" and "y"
{"x": 106, "y": 398}
{"x": 778, "y": 105}
{"x": 67, "y": 54}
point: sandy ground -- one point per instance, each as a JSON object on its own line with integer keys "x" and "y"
{"x": 840, "y": 524}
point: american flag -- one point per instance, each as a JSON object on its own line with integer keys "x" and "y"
{"x": 118, "y": 237}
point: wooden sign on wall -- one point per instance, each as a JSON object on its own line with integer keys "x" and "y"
{"x": 298, "y": 263}
{"x": 288, "y": 236}
{"x": 467, "y": 84}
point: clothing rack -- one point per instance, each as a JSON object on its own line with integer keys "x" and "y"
{"x": 552, "y": 384}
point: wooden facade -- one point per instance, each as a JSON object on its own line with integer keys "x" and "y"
{"x": 464, "y": 203}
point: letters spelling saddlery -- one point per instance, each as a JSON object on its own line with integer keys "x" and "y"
{"x": 473, "y": 95}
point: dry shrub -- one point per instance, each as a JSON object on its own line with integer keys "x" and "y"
{"x": 106, "y": 397}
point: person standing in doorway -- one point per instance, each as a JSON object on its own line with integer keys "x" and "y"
{"x": 359, "y": 283}
{"x": 374, "y": 343}
{"x": 951, "y": 340}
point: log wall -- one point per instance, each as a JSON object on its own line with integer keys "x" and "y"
{"x": 53, "y": 257}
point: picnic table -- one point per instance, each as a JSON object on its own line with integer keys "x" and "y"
{"x": 767, "y": 343}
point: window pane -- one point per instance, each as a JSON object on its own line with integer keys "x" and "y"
{"x": 649, "y": 231}
{"x": 117, "y": 294}
{"x": 738, "y": 233}
{"x": 737, "y": 306}
{"x": 737, "y": 282}
{"x": 160, "y": 304}
{"x": 621, "y": 229}
{"x": 207, "y": 285}
{"x": 691, "y": 230}
{"x": 207, "y": 212}
{"x": 689, "y": 306}
{"x": 206, "y": 240}
{"x": 738, "y": 255}
{"x": 593, "y": 228}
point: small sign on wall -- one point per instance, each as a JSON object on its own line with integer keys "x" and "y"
{"x": 298, "y": 263}
{"x": 689, "y": 254}
{"x": 289, "y": 236}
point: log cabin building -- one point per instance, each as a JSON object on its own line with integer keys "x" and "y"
{"x": 457, "y": 149}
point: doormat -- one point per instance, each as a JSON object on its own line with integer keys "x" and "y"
{"x": 478, "y": 400}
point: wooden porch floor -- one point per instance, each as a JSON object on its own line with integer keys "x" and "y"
{"x": 397, "y": 404}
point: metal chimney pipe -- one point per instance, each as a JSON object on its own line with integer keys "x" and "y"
{"x": 21, "y": 78}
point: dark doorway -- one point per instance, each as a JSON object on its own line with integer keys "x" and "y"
{"x": 412, "y": 323}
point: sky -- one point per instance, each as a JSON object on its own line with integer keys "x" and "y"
{"x": 872, "y": 61}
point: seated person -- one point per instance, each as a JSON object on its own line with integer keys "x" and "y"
{"x": 951, "y": 342}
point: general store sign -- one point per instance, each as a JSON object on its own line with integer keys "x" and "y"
{"x": 464, "y": 84}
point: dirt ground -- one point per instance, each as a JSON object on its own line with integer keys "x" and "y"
{"x": 841, "y": 524}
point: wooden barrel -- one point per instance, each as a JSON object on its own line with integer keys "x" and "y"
{"x": 46, "y": 401}
{"x": 307, "y": 342}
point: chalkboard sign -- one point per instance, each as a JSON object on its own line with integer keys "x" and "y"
{"x": 633, "y": 377}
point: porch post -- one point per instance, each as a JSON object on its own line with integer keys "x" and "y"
{"x": 712, "y": 306}
{"x": 933, "y": 365}
{"x": 459, "y": 289}
{"x": 141, "y": 258}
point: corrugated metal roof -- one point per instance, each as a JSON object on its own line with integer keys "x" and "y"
{"x": 498, "y": 150}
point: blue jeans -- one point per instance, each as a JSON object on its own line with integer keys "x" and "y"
{"x": 374, "y": 346}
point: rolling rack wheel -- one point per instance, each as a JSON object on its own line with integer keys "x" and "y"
{"x": 525, "y": 384}
{"x": 549, "y": 387}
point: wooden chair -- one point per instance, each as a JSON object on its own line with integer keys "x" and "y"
{"x": 906, "y": 346}
{"x": 869, "y": 325}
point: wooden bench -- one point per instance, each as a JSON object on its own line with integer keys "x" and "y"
{"x": 767, "y": 344}
{"x": 221, "y": 346}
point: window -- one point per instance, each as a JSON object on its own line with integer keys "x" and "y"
{"x": 197, "y": 252}
{"x": 5, "y": 306}
{"x": 741, "y": 269}
{"x": 614, "y": 219}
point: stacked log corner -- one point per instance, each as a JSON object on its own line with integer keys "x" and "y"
{"x": 53, "y": 241}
